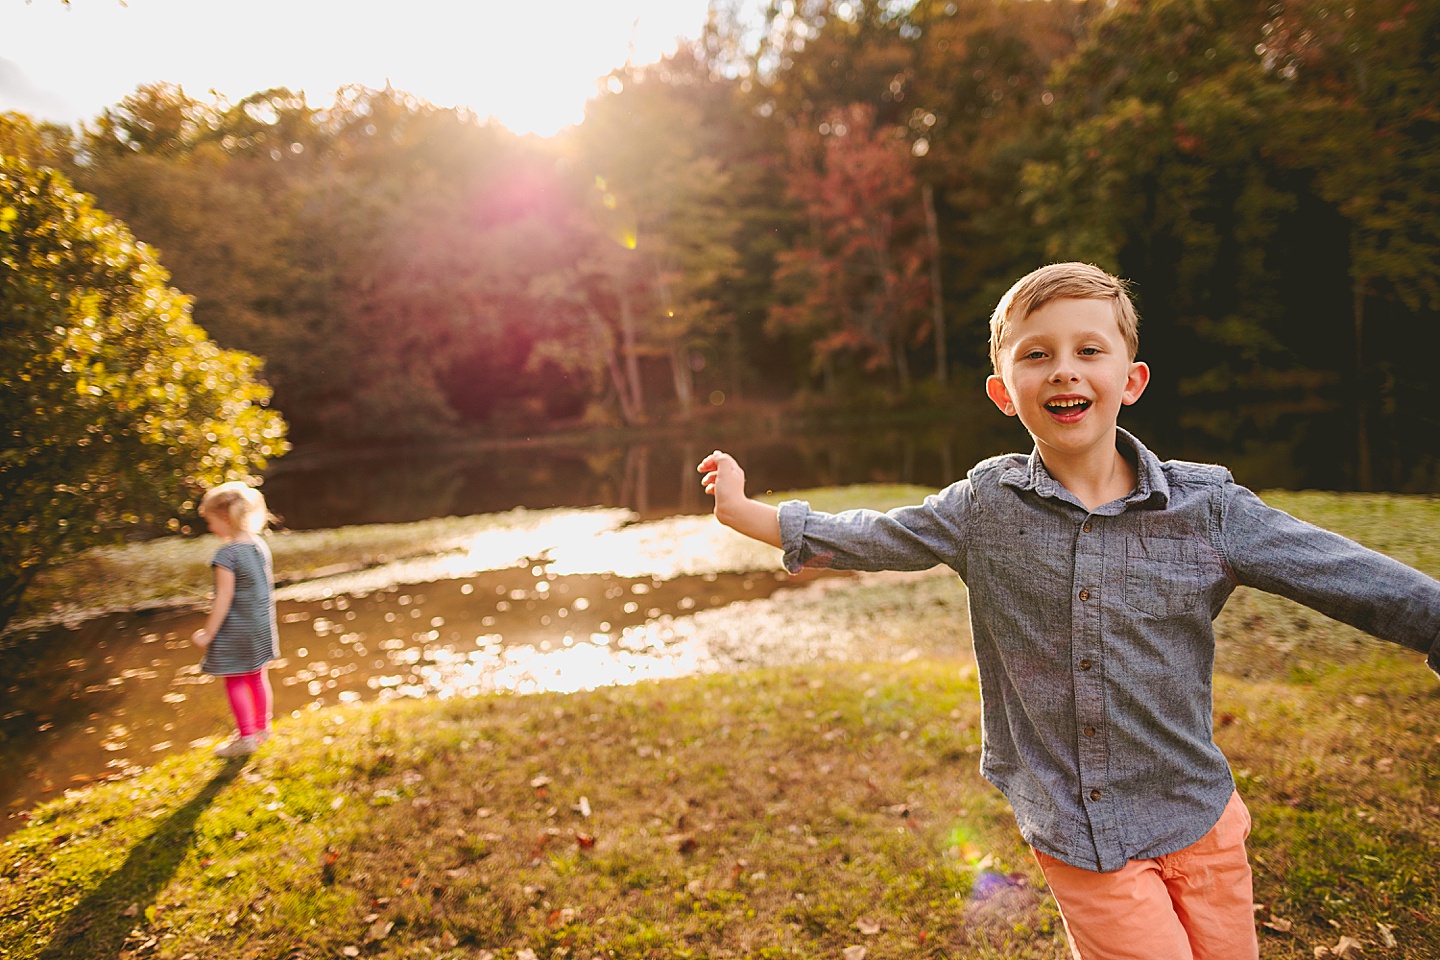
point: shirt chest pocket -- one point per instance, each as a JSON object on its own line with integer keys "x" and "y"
{"x": 1166, "y": 577}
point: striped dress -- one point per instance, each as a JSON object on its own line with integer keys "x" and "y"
{"x": 248, "y": 639}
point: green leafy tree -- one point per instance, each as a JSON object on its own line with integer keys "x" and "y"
{"x": 40, "y": 144}
{"x": 116, "y": 407}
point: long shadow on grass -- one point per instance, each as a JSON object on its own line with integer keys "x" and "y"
{"x": 97, "y": 926}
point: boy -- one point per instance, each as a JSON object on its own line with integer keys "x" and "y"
{"x": 1094, "y": 573}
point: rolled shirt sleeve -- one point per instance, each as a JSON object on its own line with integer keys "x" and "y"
{"x": 907, "y": 538}
{"x": 1272, "y": 551}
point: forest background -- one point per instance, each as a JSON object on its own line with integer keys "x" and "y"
{"x": 825, "y": 220}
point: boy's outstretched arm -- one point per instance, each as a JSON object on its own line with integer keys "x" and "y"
{"x": 726, "y": 481}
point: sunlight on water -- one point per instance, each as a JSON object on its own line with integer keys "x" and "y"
{"x": 640, "y": 654}
{"x": 491, "y": 550}
{"x": 654, "y": 550}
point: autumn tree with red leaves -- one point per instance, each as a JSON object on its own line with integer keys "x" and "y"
{"x": 856, "y": 285}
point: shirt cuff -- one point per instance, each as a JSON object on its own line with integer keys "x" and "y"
{"x": 792, "y": 533}
{"x": 1433, "y": 661}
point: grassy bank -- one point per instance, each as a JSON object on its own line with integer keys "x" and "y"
{"x": 175, "y": 571}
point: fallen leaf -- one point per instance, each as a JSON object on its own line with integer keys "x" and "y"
{"x": 1347, "y": 949}
{"x": 585, "y": 841}
{"x": 379, "y": 930}
{"x": 131, "y": 911}
{"x": 1278, "y": 924}
{"x": 526, "y": 954}
{"x": 867, "y": 927}
{"x": 327, "y": 866}
{"x": 350, "y": 951}
{"x": 1387, "y": 935}
{"x": 583, "y": 807}
{"x": 854, "y": 953}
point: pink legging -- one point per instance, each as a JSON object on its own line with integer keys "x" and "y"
{"x": 250, "y": 701}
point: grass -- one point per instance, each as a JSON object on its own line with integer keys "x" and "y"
{"x": 792, "y": 812}
{"x": 769, "y": 814}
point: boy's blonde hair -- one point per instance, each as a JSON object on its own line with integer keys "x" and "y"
{"x": 238, "y": 502}
{"x": 1063, "y": 281}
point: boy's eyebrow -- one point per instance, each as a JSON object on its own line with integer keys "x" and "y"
{"x": 1026, "y": 339}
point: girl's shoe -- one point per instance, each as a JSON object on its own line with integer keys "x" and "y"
{"x": 260, "y": 736}
{"x": 238, "y": 747}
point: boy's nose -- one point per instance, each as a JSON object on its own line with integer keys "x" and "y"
{"x": 1060, "y": 375}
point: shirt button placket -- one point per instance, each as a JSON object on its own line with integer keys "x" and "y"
{"x": 1089, "y": 693}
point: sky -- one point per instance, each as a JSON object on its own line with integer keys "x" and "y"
{"x": 530, "y": 64}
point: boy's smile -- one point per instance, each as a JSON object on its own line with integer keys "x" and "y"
{"x": 1066, "y": 372}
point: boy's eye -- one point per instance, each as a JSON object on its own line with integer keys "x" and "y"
{"x": 1034, "y": 355}
{"x": 1089, "y": 351}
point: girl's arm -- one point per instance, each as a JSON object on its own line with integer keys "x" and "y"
{"x": 224, "y": 596}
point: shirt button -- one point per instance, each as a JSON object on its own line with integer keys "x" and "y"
{"x": 1084, "y": 664}
{"x": 1094, "y": 794}
{"x": 1087, "y": 528}
{"x": 1084, "y": 594}
{"x": 1089, "y": 731}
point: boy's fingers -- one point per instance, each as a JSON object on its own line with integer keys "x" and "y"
{"x": 712, "y": 461}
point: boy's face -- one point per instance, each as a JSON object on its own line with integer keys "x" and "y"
{"x": 1065, "y": 371}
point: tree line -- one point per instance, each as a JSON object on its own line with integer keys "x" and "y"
{"x": 831, "y": 214}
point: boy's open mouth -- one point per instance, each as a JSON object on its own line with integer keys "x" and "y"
{"x": 1067, "y": 406}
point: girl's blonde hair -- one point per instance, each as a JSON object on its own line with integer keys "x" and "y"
{"x": 238, "y": 502}
{"x": 1063, "y": 281}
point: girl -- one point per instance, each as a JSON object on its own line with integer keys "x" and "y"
{"x": 240, "y": 636}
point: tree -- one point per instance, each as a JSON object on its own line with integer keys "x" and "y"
{"x": 858, "y": 282}
{"x": 116, "y": 407}
{"x": 40, "y": 144}
{"x": 657, "y": 232}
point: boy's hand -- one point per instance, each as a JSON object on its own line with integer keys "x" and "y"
{"x": 201, "y": 638}
{"x": 724, "y": 479}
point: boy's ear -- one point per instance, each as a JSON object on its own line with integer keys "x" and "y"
{"x": 1135, "y": 383}
{"x": 999, "y": 394}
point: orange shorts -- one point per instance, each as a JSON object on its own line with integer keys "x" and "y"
{"x": 1194, "y": 904}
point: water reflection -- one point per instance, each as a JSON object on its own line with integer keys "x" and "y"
{"x": 654, "y": 477}
{"x": 110, "y": 697}
{"x": 1266, "y": 446}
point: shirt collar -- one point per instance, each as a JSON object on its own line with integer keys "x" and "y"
{"x": 1151, "y": 489}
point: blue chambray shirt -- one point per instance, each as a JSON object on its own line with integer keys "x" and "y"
{"x": 1093, "y": 631}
